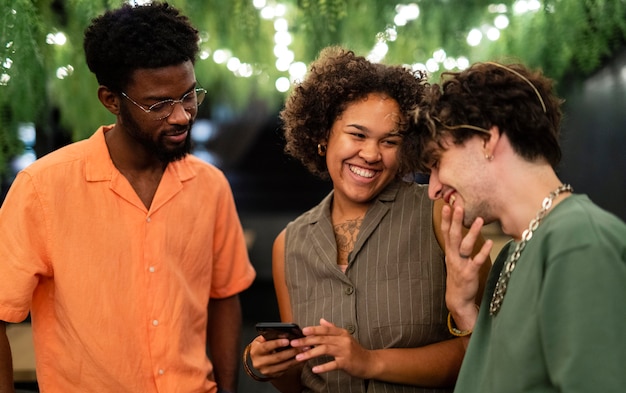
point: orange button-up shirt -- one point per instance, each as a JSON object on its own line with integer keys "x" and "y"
{"x": 118, "y": 293}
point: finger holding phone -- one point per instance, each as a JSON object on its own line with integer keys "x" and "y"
{"x": 270, "y": 353}
{"x": 329, "y": 340}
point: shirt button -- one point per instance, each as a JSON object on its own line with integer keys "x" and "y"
{"x": 349, "y": 290}
{"x": 155, "y": 322}
{"x": 151, "y": 269}
{"x": 351, "y": 329}
{"x": 148, "y": 219}
{"x": 161, "y": 371}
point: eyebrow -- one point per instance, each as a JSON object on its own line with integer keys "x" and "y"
{"x": 358, "y": 127}
{"x": 394, "y": 132}
{"x": 158, "y": 99}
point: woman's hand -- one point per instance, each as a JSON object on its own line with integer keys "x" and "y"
{"x": 327, "y": 339}
{"x": 272, "y": 358}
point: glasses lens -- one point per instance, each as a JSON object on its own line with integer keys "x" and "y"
{"x": 190, "y": 100}
{"x": 162, "y": 109}
{"x": 200, "y": 94}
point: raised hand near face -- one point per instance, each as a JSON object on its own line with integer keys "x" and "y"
{"x": 463, "y": 269}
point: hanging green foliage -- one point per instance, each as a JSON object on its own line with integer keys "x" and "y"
{"x": 40, "y": 78}
{"x": 22, "y": 93}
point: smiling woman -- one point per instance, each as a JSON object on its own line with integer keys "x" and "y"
{"x": 42, "y": 71}
{"x": 368, "y": 244}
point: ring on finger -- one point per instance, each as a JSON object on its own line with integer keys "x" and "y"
{"x": 464, "y": 256}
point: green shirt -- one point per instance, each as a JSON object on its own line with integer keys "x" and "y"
{"x": 562, "y": 325}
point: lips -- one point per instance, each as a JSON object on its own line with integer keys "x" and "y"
{"x": 177, "y": 137}
{"x": 363, "y": 172}
{"x": 450, "y": 198}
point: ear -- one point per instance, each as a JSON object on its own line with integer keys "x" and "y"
{"x": 491, "y": 141}
{"x": 110, "y": 100}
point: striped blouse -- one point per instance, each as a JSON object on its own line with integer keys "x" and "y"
{"x": 392, "y": 293}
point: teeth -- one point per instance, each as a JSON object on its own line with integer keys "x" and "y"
{"x": 452, "y": 199}
{"x": 362, "y": 172}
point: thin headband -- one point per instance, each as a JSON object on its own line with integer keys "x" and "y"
{"x": 543, "y": 105}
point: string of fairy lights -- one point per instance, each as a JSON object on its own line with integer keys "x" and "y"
{"x": 290, "y": 69}
{"x": 294, "y": 70}
{"x": 404, "y": 14}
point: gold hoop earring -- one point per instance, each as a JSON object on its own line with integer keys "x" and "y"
{"x": 321, "y": 149}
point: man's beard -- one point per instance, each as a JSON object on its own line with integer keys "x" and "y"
{"x": 482, "y": 209}
{"x": 159, "y": 149}
{"x": 167, "y": 156}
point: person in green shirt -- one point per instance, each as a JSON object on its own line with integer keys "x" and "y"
{"x": 552, "y": 316}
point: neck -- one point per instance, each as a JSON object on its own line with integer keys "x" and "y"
{"x": 553, "y": 198}
{"x": 342, "y": 211}
{"x": 524, "y": 199}
{"x": 130, "y": 157}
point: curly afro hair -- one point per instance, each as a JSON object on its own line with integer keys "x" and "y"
{"x": 134, "y": 37}
{"x": 336, "y": 79}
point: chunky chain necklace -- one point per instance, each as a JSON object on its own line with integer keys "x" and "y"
{"x": 505, "y": 274}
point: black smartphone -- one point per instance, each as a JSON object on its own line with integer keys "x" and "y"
{"x": 276, "y": 330}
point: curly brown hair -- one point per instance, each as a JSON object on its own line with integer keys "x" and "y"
{"x": 519, "y": 101}
{"x": 336, "y": 79}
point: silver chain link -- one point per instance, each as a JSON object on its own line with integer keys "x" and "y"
{"x": 505, "y": 274}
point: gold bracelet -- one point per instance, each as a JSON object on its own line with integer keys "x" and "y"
{"x": 248, "y": 369}
{"x": 456, "y": 332}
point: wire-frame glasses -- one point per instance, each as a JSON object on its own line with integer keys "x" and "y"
{"x": 162, "y": 109}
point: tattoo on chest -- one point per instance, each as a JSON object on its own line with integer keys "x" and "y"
{"x": 345, "y": 236}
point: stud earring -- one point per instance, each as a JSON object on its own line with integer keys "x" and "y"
{"x": 489, "y": 157}
{"x": 321, "y": 149}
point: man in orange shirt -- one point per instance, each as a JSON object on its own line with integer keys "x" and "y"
{"x": 127, "y": 251}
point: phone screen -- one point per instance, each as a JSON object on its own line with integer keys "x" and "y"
{"x": 276, "y": 330}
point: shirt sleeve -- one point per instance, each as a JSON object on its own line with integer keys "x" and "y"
{"x": 232, "y": 270}
{"x": 22, "y": 248}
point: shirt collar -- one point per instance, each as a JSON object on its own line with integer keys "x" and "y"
{"x": 100, "y": 167}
